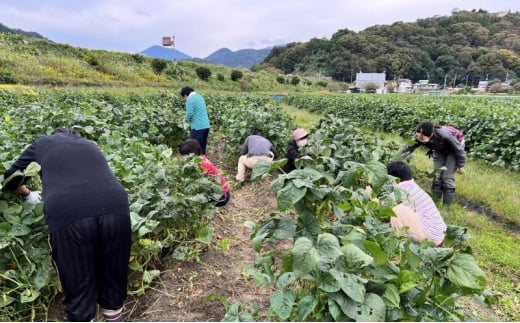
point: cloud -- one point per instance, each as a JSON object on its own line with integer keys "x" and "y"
{"x": 204, "y": 26}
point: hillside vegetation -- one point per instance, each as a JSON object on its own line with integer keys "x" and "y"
{"x": 464, "y": 48}
{"x": 35, "y": 61}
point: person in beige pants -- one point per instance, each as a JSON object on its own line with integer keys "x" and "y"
{"x": 255, "y": 148}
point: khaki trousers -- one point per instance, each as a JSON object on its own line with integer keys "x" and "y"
{"x": 245, "y": 162}
{"x": 405, "y": 217}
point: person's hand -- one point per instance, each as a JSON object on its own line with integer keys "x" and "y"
{"x": 429, "y": 153}
{"x": 405, "y": 151}
{"x": 34, "y": 197}
{"x": 461, "y": 170}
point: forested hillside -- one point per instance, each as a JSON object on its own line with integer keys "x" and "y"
{"x": 467, "y": 47}
{"x": 5, "y": 29}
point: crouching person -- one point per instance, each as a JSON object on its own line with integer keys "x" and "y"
{"x": 192, "y": 146}
{"x": 417, "y": 211}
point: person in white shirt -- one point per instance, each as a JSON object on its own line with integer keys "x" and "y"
{"x": 417, "y": 211}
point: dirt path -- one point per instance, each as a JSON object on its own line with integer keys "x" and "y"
{"x": 183, "y": 286}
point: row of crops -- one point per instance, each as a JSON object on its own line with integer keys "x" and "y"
{"x": 345, "y": 262}
{"x": 491, "y": 124}
{"x": 139, "y": 135}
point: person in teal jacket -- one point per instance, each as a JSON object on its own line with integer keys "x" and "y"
{"x": 196, "y": 116}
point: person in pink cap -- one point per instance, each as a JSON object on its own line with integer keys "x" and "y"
{"x": 299, "y": 139}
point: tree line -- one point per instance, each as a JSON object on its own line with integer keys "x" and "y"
{"x": 463, "y": 48}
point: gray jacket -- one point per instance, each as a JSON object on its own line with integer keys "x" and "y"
{"x": 258, "y": 146}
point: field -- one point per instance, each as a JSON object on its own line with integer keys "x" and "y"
{"x": 193, "y": 262}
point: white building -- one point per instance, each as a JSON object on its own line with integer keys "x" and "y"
{"x": 362, "y": 79}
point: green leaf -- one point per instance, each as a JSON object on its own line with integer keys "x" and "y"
{"x": 5, "y": 229}
{"x": 379, "y": 255}
{"x": 205, "y": 234}
{"x": 29, "y": 295}
{"x": 285, "y": 228}
{"x": 328, "y": 247}
{"x": 336, "y": 312}
{"x": 289, "y": 195}
{"x": 33, "y": 169}
{"x": 391, "y": 296}
{"x": 408, "y": 280}
{"x": 6, "y": 300}
{"x": 260, "y": 169}
{"x": 350, "y": 285}
{"x": 12, "y": 213}
{"x": 328, "y": 283}
{"x": 41, "y": 278}
{"x": 150, "y": 275}
{"x": 260, "y": 278}
{"x": 18, "y": 230}
{"x": 354, "y": 254}
{"x": 305, "y": 256}
{"x": 306, "y": 306}
{"x": 463, "y": 271}
{"x": 347, "y": 305}
{"x": 373, "y": 309}
{"x": 285, "y": 280}
{"x": 437, "y": 255}
{"x": 282, "y": 304}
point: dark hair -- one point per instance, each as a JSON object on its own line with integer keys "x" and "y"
{"x": 426, "y": 128}
{"x": 186, "y": 91}
{"x": 190, "y": 146}
{"x": 399, "y": 169}
{"x": 67, "y": 131}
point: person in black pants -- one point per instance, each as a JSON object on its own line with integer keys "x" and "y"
{"x": 196, "y": 116}
{"x": 87, "y": 213}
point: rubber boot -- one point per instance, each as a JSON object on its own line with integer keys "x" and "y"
{"x": 437, "y": 188}
{"x": 449, "y": 196}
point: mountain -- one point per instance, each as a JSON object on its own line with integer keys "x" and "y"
{"x": 240, "y": 58}
{"x": 5, "y": 29}
{"x": 165, "y": 53}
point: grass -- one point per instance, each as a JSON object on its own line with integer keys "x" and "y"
{"x": 494, "y": 245}
{"x": 302, "y": 118}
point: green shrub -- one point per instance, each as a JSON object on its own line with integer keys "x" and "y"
{"x": 280, "y": 79}
{"x": 203, "y": 73}
{"x": 321, "y": 83}
{"x": 91, "y": 59}
{"x": 236, "y": 75}
{"x": 295, "y": 80}
{"x": 6, "y": 76}
{"x": 371, "y": 87}
{"x": 159, "y": 65}
{"x": 221, "y": 77}
{"x": 138, "y": 58}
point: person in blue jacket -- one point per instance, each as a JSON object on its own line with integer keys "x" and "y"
{"x": 88, "y": 218}
{"x": 196, "y": 116}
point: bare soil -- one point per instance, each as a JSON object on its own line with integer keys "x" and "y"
{"x": 179, "y": 295}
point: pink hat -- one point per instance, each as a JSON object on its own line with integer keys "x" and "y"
{"x": 299, "y": 133}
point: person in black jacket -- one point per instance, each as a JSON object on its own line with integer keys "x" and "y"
{"x": 447, "y": 151}
{"x": 87, "y": 213}
{"x": 299, "y": 137}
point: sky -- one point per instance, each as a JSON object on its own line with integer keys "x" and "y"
{"x": 201, "y": 27}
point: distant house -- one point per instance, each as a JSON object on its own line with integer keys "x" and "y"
{"x": 362, "y": 79}
{"x": 482, "y": 86}
{"x": 424, "y": 86}
{"x": 404, "y": 86}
